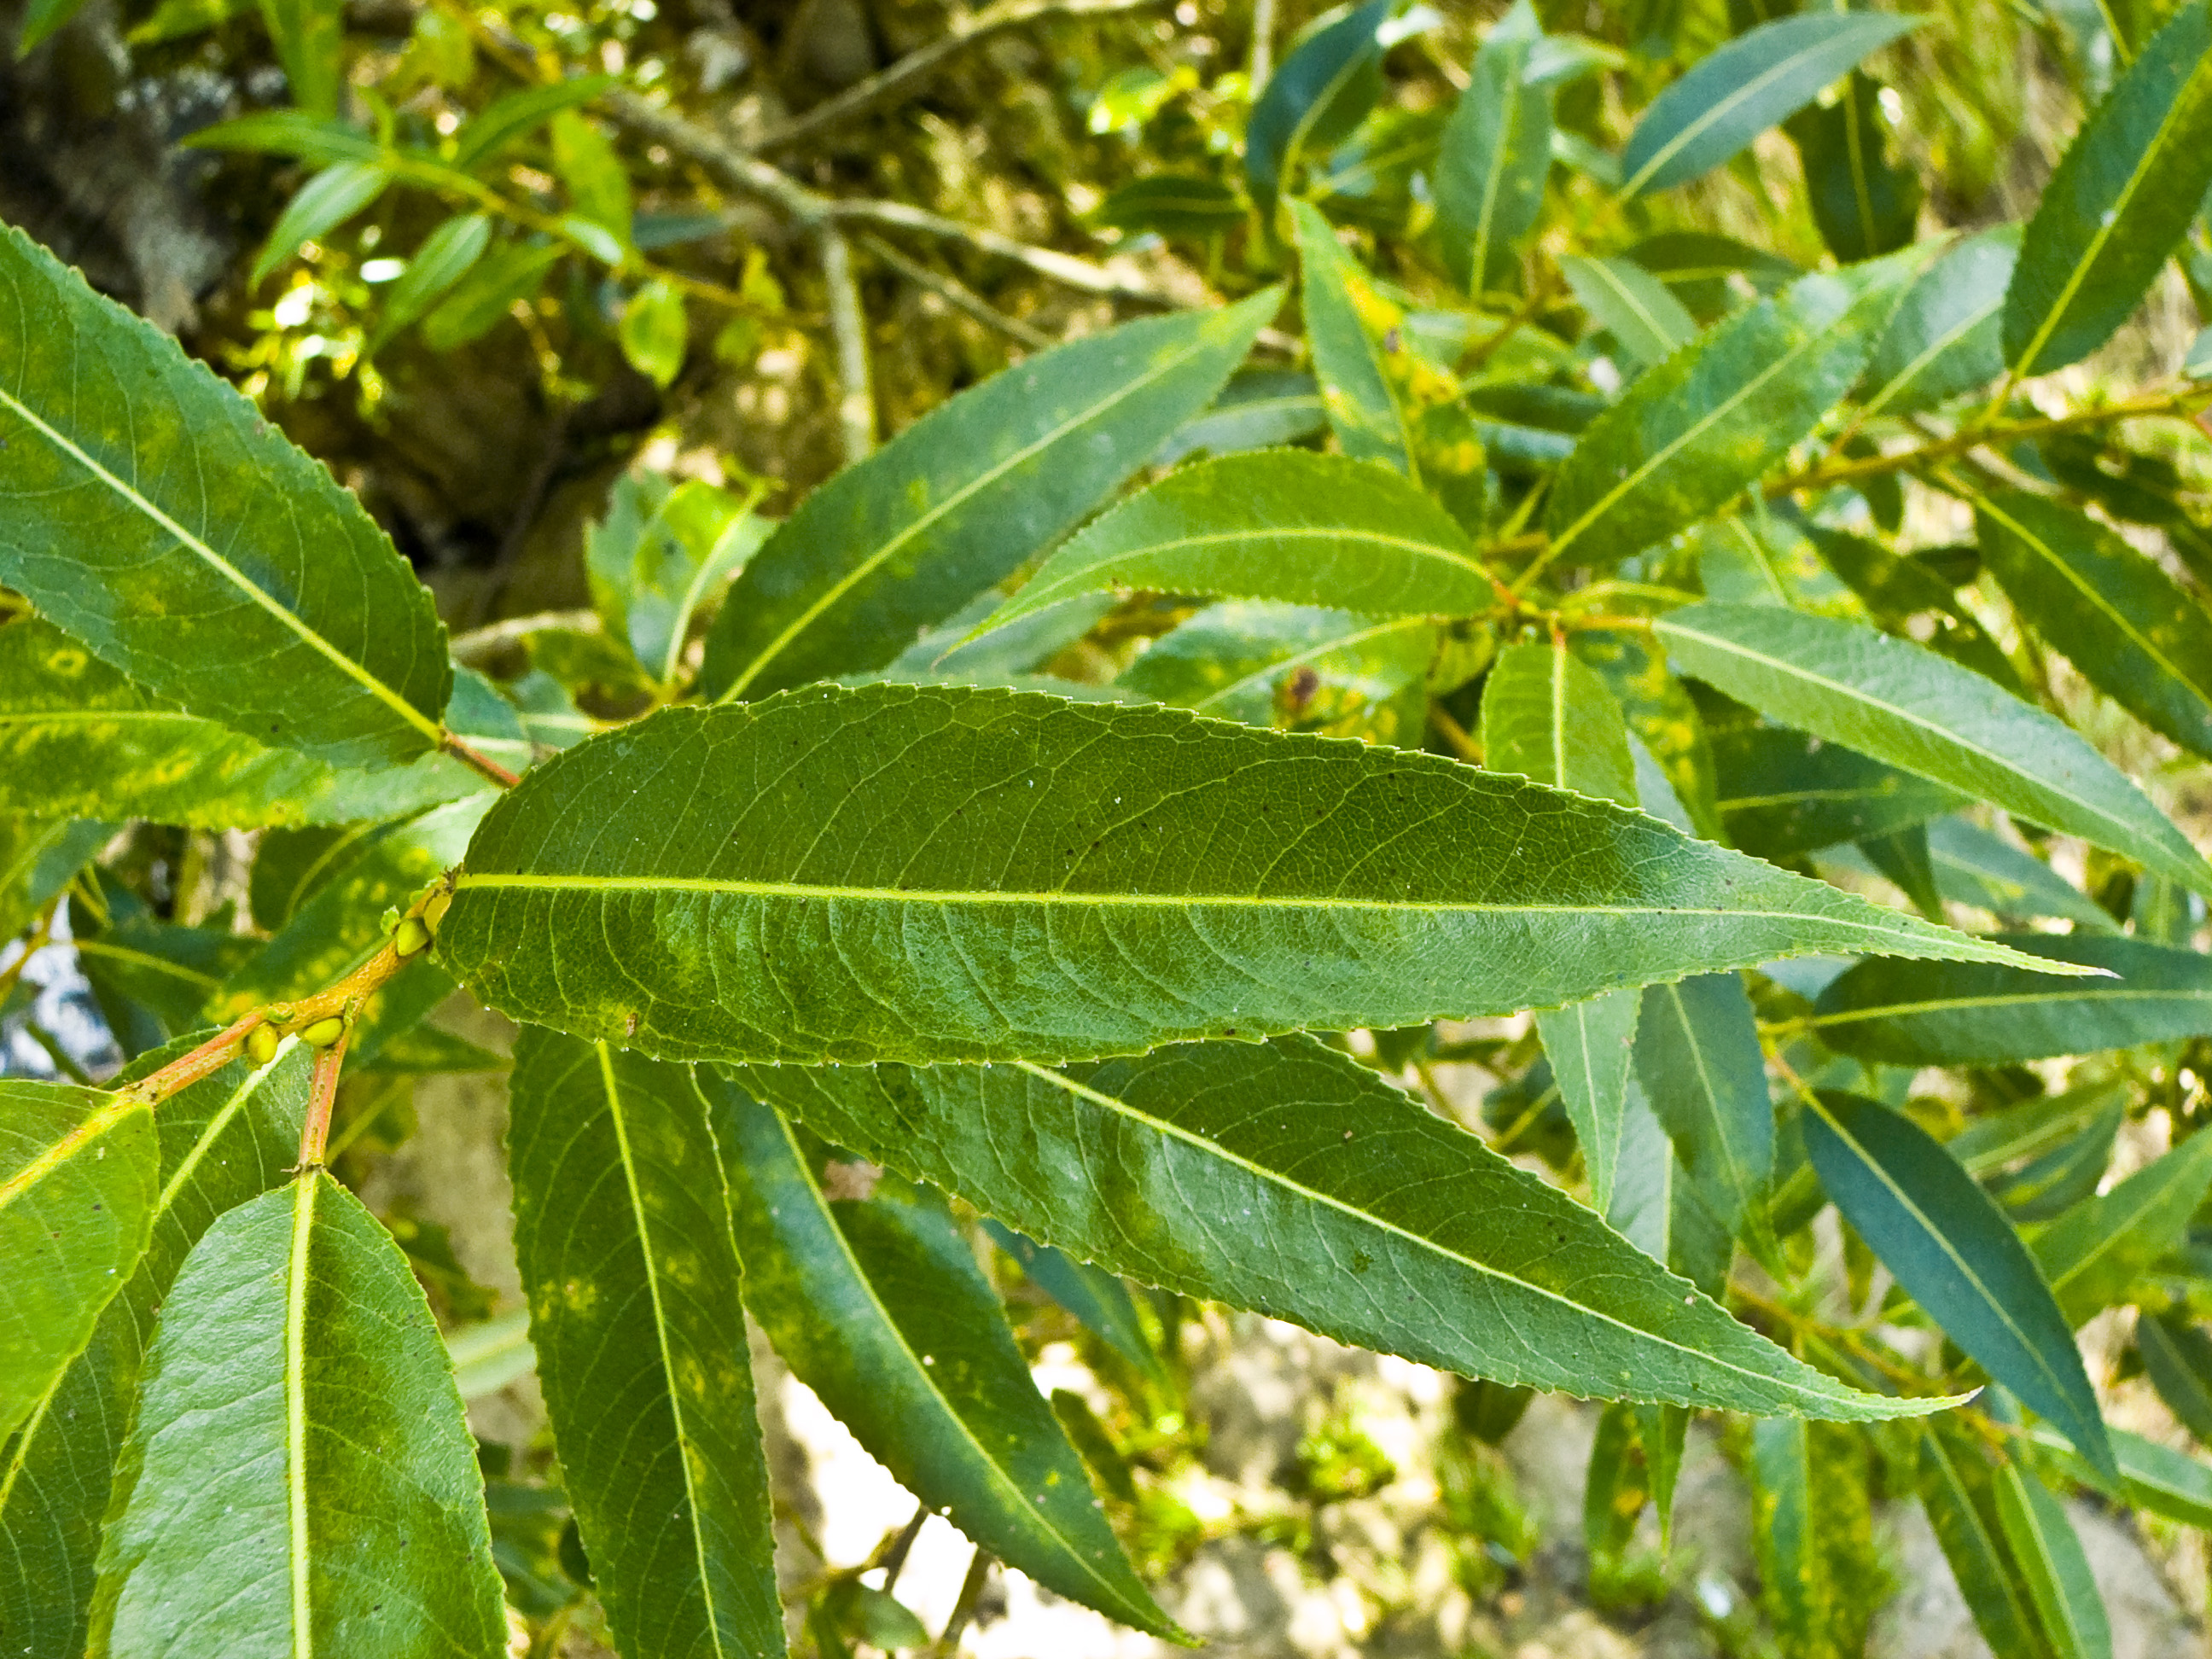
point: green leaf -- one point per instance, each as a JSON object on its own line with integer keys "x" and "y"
{"x": 1815, "y": 1536}
{"x": 151, "y": 511}
{"x": 2177, "y": 1357}
{"x": 1645, "y": 319}
{"x": 294, "y": 1329}
{"x": 320, "y": 206}
{"x": 1975, "y": 866}
{"x": 77, "y": 737}
{"x": 1494, "y": 157}
{"x": 1908, "y": 1015}
{"x": 1902, "y": 856}
{"x": 39, "y": 857}
{"x": 1360, "y": 352}
{"x": 1864, "y": 203}
{"x": 1259, "y": 408}
{"x": 1275, "y": 523}
{"x": 622, "y": 1232}
{"x": 1355, "y": 1211}
{"x": 1956, "y": 1255}
{"x": 2154, "y": 1477}
{"x": 2093, "y": 1251}
{"x": 1692, "y": 432}
{"x": 658, "y": 556}
{"x": 1018, "y": 875}
{"x": 2120, "y": 619}
{"x": 512, "y": 272}
{"x": 1945, "y": 340}
{"x": 309, "y": 36}
{"x": 1295, "y": 666}
{"x": 40, "y": 18}
{"x": 654, "y": 332}
{"x": 79, "y": 1170}
{"x": 1655, "y": 1208}
{"x": 1094, "y": 1296}
{"x": 598, "y": 187}
{"x": 1547, "y": 716}
{"x": 2059, "y": 1582}
{"x": 1174, "y": 204}
{"x": 2118, "y": 204}
{"x": 1315, "y": 97}
{"x": 489, "y": 1355}
{"x": 1958, "y": 1488}
{"x": 226, "y": 1138}
{"x": 1663, "y": 719}
{"x": 1736, "y": 93}
{"x": 1908, "y": 708}
{"x": 317, "y": 139}
{"x": 510, "y": 116}
{"x": 879, "y": 1308}
{"x": 447, "y": 254}
{"x": 1698, "y": 1059}
{"x": 962, "y": 498}
{"x": 2037, "y": 1127}
{"x": 151, "y": 978}
{"x": 1590, "y": 1045}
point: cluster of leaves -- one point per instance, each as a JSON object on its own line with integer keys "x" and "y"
{"x": 1578, "y": 625}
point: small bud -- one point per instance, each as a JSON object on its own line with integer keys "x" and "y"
{"x": 409, "y": 937}
{"x": 434, "y": 910}
{"x": 261, "y": 1045}
{"x": 324, "y": 1032}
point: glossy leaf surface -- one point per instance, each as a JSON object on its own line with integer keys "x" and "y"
{"x": 1908, "y": 708}
{"x": 879, "y": 1308}
{"x": 149, "y": 510}
{"x": 1275, "y": 523}
{"x": 1456, "y": 1257}
{"x": 961, "y": 497}
{"x": 1956, "y": 1255}
{"x": 1321, "y": 90}
{"x": 1909, "y": 1015}
{"x": 623, "y": 1235}
{"x": 299, "y": 1478}
{"x": 1018, "y": 875}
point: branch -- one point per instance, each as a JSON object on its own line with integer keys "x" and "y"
{"x": 725, "y": 162}
{"x": 958, "y": 295}
{"x": 483, "y": 764}
{"x": 848, "y": 328}
{"x": 475, "y": 645}
{"x": 1063, "y": 268}
{"x": 911, "y": 71}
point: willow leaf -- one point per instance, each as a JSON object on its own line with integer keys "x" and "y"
{"x": 1591, "y": 1047}
{"x": 1865, "y": 202}
{"x": 1360, "y": 352}
{"x": 1958, "y": 1488}
{"x": 1736, "y": 93}
{"x": 79, "y": 1172}
{"x": 1494, "y": 156}
{"x": 1017, "y": 876}
{"x": 152, "y": 512}
{"x": 1291, "y": 1180}
{"x": 1907, "y": 1015}
{"x": 959, "y": 499}
{"x": 2119, "y": 202}
{"x": 1698, "y": 1059}
{"x": 1693, "y": 431}
{"x": 1547, "y": 716}
{"x": 1904, "y": 706}
{"x": 1274, "y": 523}
{"x": 1976, "y": 866}
{"x": 2177, "y": 1359}
{"x": 2068, "y": 1603}
{"x": 2133, "y": 633}
{"x": 225, "y": 1139}
{"x": 1642, "y": 314}
{"x": 76, "y": 736}
{"x": 1316, "y": 97}
{"x": 1944, "y": 339}
{"x": 622, "y": 1232}
{"x": 355, "y": 1524}
{"x": 879, "y": 1308}
{"x": 39, "y": 857}
{"x": 2092, "y": 1251}
{"x": 1957, "y": 1256}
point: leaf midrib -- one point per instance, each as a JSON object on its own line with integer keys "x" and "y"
{"x": 1329, "y": 1201}
{"x": 1269, "y": 671}
{"x": 1256, "y": 533}
{"x": 296, "y": 1409}
{"x": 2115, "y": 1229}
{"x": 1741, "y": 1187}
{"x": 230, "y": 573}
{"x": 2007, "y": 1000}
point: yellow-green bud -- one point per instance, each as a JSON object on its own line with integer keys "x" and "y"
{"x": 410, "y": 937}
{"x": 324, "y": 1032}
{"x": 433, "y": 911}
{"x": 261, "y": 1045}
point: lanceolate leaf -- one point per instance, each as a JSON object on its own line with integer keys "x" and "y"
{"x": 2067, "y": 1602}
{"x": 1320, "y": 92}
{"x": 39, "y": 857}
{"x": 1494, "y": 158}
{"x": 1356, "y": 1212}
{"x": 1958, "y": 1489}
{"x": 1645, "y": 319}
{"x": 224, "y": 1140}
{"x": 1864, "y": 202}
{"x": 2118, "y": 618}
{"x": 2156, "y": 1478}
{"x": 2121, "y": 200}
{"x": 1591, "y": 1046}
{"x": 1694, "y": 430}
{"x": 1017, "y": 876}
{"x": 1745, "y": 87}
{"x": 2090, "y": 1253}
{"x": 150, "y": 511}
{"x": 1956, "y": 1255}
{"x": 1654, "y": 1208}
{"x": 1974, "y": 866}
{"x": 1698, "y": 1058}
{"x": 76, "y": 736}
{"x": 960, "y": 498}
{"x": 621, "y": 1231}
{"x": 1274, "y": 523}
{"x": 1094, "y": 1296}
{"x": 1910, "y": 1015}
{"x": 879, "y": 1308}
{"x": 1547, "y": 716}
{"x": 1944, "y": 339}
{"x": 1904, "y": 705}
{"x": 355, "y": 1521}
{"x": 79, "y": 1175}
{"x": 1360, "y": 352}
{"x": 2177, "y": 1357}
